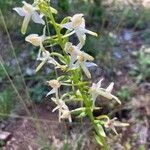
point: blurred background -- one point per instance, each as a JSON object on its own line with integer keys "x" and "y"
{"x": 122, "y": 52}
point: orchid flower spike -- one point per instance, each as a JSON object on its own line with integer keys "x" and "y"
{"x": 28, "y": 11}
{"x": 55, "y": 85}
{"x": 64, "y": 112}
{"x": 37, "y": 40}
{"x": 77, "y": 25}
{"x": 96, "y": 90}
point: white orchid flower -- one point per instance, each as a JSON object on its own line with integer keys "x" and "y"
{"x": 77, "y": 25}
{"x": 28, "y": 11}
{"x": 96, "y": 90}
{"x": 37, "y": 40}
{"x": 82, "y": 59}
{"x": 64, "y": 112}
{"x": 45, "y": 57}
{"x": 79, "y": 58}
{"x": 112, "y": 123}
{"x": 55, "y": 84}
{"x": 73, "y": 51}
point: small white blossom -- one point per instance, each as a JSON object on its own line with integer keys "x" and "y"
{"x": 37, "y": 40}
{"x": 28, "y": 11}
{"x": 55, "y": 84}
{"x": 96, "y": 90}
{"x": 79, "y": 58}
{"x": 82, "y": 59}
{"x": 77, "y": 25}
{"x": 112, "y": 123}
{"x": 45, "y": 57}
{"x": 73, "y": 51}
{"x": 64, "y": 112}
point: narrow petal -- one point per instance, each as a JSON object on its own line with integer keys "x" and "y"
{"x": 51, "y": 92}
{"x": 110, "y": 87}
{"x": 90, "y": 64}
{"x": 91, "y": 32}
{"x": 40, "y": 65}
{"x": 86, "y": 71}
{"x": 120, "y": 124}
{"x": 99, "y": 83}
{"x": 25, "y": 24}
{"x": 115, "y": 98}
{"x": 44, "y": 31}
{"x": 57, "y": 107}
{"x": 105, "y": 94}
{"x": 83, "y": 23}
{"x": 67, "y": 26}
{"x": 37, "y": 18}
{"x": 79, "y": 46}
{"x": 20, "y": 11}
{"x": 81, "y": 36}
{"x": 94, "y": 96}
{"x": 114, "y": 129}
{"x": 53, "y": 61}
{"x": 87, "y": 56}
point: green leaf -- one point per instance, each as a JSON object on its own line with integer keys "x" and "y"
{"x": 98, "y": 140}
{"x": 101, "y": 130}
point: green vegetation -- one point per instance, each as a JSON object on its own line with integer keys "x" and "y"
{"x": 124, "y": 93}
{"x": 37, "y": 92}
{"x": 6, "y": 103}
{"x": 141, "y": 71}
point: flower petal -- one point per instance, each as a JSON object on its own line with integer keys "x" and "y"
{"x": 99, "y": 83}
{"x": 116, "y": 99}
{"x": 90, "y": 64}
{"x": 81, "y": 36}
{"x": 67, "y": 26}
{"x": 57, "y": 107}
{"x": 86, "y": 71}
{"x": 86, "y": 56}
{"x": 110, "y": 87}
{"x": 40, "y": 65}
{"x": 51, "y": 92}
{"x": 37, "y": 18}
{"x": 91, "y": 32}
{"x": 25, "y": 24}
{"x": 20, "y": 11}
{"x": 33, "y": 39}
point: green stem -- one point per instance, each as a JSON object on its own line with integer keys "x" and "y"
{"x": 88, "y": 104}
{"x": 57, "y": 29}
